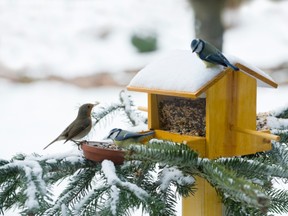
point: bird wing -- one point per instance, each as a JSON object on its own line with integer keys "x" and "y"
{"x": 77, "y": 131}
{"x": 127, "y": 135}
{"x": 216, "y": 58}
{"x": 220, "y": 59}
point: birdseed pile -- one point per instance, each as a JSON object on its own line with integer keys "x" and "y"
{"x": 104, "y": 145}
{"x": 261, "y": 121}
{"x": 183, "y": 116}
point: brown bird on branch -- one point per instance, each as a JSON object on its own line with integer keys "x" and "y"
{"x": 80, "y": 127}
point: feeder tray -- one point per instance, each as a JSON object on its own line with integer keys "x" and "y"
{"x": 97, "y": 151}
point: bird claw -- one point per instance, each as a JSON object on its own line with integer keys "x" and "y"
{"x": 80, "y": 143}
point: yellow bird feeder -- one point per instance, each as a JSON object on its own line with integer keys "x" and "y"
{"x": 213, "y": 110}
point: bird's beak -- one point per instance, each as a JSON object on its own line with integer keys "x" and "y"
{"x": 96, "y": 103}
{"x": 107, "y": 137}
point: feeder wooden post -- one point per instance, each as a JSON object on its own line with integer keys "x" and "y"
{"x": 205, "y": 202}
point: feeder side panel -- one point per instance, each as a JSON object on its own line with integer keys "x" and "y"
{"x": 244, "y": 115}
{"x": 153, "y": 117}
{"x": 218, "y": 115}
{"x": 244, "y": 103}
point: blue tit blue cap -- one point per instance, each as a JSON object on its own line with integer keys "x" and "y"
{"x": 194, "y": 44}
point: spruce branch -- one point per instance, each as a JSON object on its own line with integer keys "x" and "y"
{"x": 92, "y": 201}
{"x": 279, "y": 155}
{"x": 237, "y": 188}
{"x": 259, "y": 169}
{"x": 238, "y": 209}
{"x": 23, "y": 185}
{"x": 103, "y": 113}
{"x": 77, "y": 188}
{"x": 109, "y": 171}
{"x": 282, "y": 114}
{"x": 134, "y": 117}
{"x": 166, "y": 152}
{"x": 3, "y": 162}
{"x": 227, "y": 182}
{"x": 59, "y": 169}
{"x": 125, "y": 105}
{"x": 172, "y": 175}
{"x": 25, "y": 181}
{"x": 279, "y": 200}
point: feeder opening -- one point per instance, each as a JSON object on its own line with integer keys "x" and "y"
{"x": 182, "y": 115}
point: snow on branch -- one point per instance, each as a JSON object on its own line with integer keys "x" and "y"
{"x": 70, "y": 156}
{"x": 277, "y": 123}
{"x": 36, "y": 173}
{"x": 125, "y": 105}
{"x": 133, "y": 116}
{"x": 97, "y": 185}
{"x": 172, "y": 174}
{"x": 114, "y": 199}
{"x": 33, "y": 179}
{"x": 109, "y": 171}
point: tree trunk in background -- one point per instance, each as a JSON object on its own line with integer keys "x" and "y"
{"x": 208, "y": 23}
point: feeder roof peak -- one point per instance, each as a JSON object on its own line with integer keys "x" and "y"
{"x": 181, "y": 72}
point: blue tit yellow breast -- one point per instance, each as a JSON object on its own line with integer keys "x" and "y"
{"x": 125, "y": 143}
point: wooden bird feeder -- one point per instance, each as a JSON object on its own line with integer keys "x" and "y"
{"x": 213, "y": 110}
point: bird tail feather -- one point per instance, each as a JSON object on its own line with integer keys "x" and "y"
{"x": 50, "y": 143}
{"x": 148, "y": 133}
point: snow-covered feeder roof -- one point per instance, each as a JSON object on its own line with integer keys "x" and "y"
{"x": 182, "y": 73}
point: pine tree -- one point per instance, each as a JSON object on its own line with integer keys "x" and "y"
{"x": 152, "y": 177}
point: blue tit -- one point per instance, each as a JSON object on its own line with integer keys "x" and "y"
{"x": 210, "y": 54}
{"x": 123, "y": 138}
